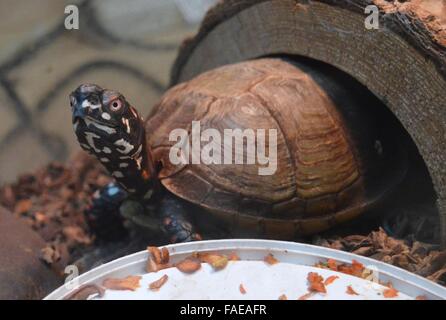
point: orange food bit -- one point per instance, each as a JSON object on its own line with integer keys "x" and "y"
{"x": 128, "y": 283}
{"x": 332, "y": 264}
{"x": 390, "y": 292}
{"x": 306, "y": 296}
{"x": 269, "y": 259}
{"x": 188, "y": 265}
{"x": 330, "y": 280}
{"x": 350, "y": 291}
{"x": 155, "y": 285}
{"x": 316, "y": 283}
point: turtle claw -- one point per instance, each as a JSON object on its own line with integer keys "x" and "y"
{"x": 181, "y": 231}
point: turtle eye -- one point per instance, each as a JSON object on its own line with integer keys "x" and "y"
{"x": 116, "y": 105}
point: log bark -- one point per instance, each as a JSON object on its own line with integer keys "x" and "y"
{"x": 22, "y": 274}
{"x": 403, "y": 62}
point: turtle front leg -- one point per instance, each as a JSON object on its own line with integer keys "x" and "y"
{"x": 175, "y": 220}
{"x": 103, "y": 215}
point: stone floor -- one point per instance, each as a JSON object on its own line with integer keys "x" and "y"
{"x": 125, "y": 45}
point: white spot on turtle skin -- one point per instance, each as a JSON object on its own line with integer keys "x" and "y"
{"x": 138, "y": 162}
{"x": 87, "y": 104}
{"x": 131, "y": 190}
{"x": 136, "y": 154}
{"x": 107, "y": 129}
{"x": 138, "y": 151}
{"x": 126, "y": 147}
{"x": 126, "y": 124}
{"x": 104, "y": 160}
{"x": 75, "y": 125}
{"x": 123, "y": 165}
{"x": 89, "y": 136}
{"x": 106, "y": 116}
{"x": 134, "y": 112}
{"x": 117, "y": 174}
{"x": 83, "y": 145}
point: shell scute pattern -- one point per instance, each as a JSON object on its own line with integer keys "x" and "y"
{"x": 315, "y": 157}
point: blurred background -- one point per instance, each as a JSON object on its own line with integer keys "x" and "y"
{"x": 125, "y": 45}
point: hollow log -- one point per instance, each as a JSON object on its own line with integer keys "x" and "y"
{"x": 22, "y": 274}
{"x": 403, "y": 62}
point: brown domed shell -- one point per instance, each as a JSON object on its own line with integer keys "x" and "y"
{"x": 321, "y": 167}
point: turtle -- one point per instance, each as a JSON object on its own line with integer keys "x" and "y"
{"x": 335, "y": 159}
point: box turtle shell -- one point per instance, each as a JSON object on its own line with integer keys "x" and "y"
{"x": 333, "y": 162}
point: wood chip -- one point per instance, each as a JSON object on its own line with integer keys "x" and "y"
{"x": 85, "y": 291}
{"x": 50, "y": 254}
{"x": 22, "y": 206}
{"x": 156, "y": 285}
{"x": 283, "y": 297}
{"x": 242, "y": 289}
{"x": 128, "y": 283}
{"x": 364, "y": 251}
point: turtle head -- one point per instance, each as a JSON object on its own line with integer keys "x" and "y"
{"x": 108, "y": 127}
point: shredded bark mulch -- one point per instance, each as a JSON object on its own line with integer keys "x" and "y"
{"x": 420, "y": 258}
{"x": 52, "y": 200}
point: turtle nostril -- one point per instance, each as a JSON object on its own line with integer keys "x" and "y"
{"x": 93, "y": 100}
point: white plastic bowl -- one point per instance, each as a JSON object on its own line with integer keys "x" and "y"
{"x": 260, "y": 280}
